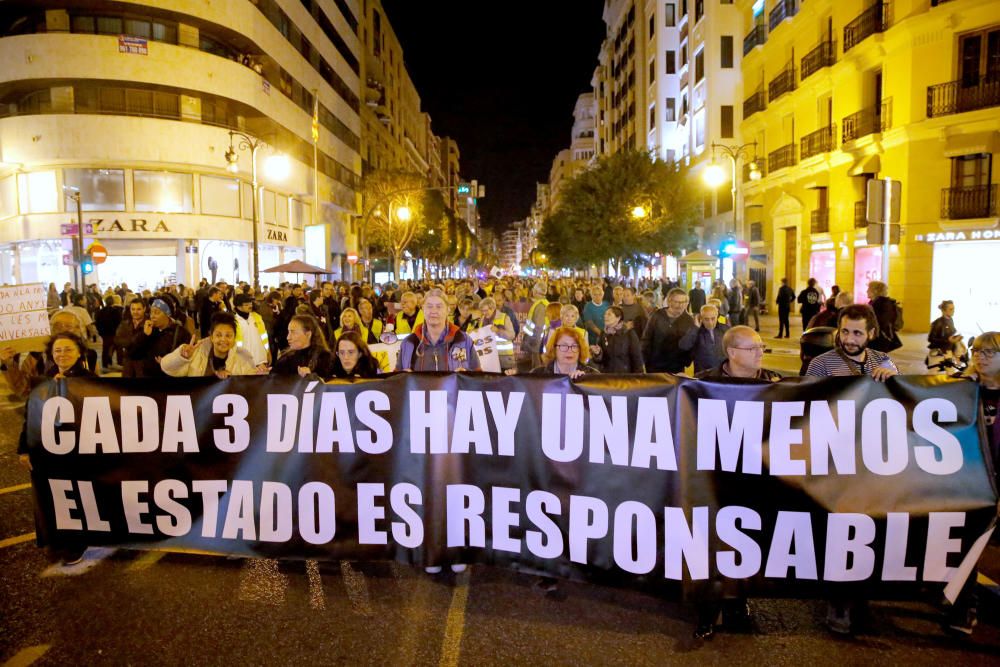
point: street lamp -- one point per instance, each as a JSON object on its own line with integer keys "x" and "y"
{"x": 714, "y": 175}
{"x": 639, "y": 212}
{"x": 277, "y": 168}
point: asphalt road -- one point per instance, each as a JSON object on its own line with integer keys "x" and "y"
{"x": 128, "y": 607}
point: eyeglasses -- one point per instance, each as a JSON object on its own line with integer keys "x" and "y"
{"x": 989, "y": 354}
{"x": 567, "y": 348}
{"x": 752, "y": 348}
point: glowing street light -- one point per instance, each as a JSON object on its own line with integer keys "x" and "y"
{"x": 639, "y": 212}
{"x": 714, "y": 175}
{"x": 277, "y": 168}
{"x": 403, "y": 213}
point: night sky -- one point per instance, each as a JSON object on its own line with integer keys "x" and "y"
{"x": 501, "y": 78}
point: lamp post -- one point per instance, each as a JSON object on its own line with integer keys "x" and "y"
{"x": 714, "y": 175}
{"x": 246, "y": 142}
{"x": 74, "y": 194}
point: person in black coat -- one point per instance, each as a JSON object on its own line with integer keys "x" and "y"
{"x": 618, "y": 349}
{"x": 107, "y": 320}
{"x": 786, "y": 297}
{"x": 307, "y": 351}
{"x": 663, "y": 332}
{"x": 886, "y": 311}
{"x": 210, "y": 306}
{"x": 697, "y": 298}
{"x": 159, "y": 337}
{"x": 810, "y": 302}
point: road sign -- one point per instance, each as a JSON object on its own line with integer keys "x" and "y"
{"x": 70, "y": 229}
{"x": 878, "y": 192}
{"x": 98, "y": 253}
{"x": 352, "y": 258}
{"x": 464, "y": 189}
{"x": 875, "y": 233}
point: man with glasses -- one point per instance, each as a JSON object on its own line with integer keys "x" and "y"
{"x": 661, "y": 339}
{"x": 744, "y": 352}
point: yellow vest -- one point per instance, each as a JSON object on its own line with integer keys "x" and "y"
{"x": 529, "y": 325}
{"x": 258, "y": 323}
{"x": 403, "y": 327}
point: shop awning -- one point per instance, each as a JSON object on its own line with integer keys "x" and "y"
{"x": 297, "y": 266}
{"x": 869, "y": 164}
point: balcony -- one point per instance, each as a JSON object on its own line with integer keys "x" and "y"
{"x": 781, "y": 158}
{"x": 822, "y": 140}
{"x": 860, "y": 214}
{"x": 976, "y": 201}
{"x": 872, "y": 20}
{"x": 756, "y": 37}
{"x": 754, "y": 103}
{"x": 868, "y": 121}
{"x": 822, "y": 56}
{"x": 958, "y": 96}
{"x": 781, "y": 84}
{"x": 819, "y": 221}
{"x": 785, "y": 9}
{"x": 761, "y": 166}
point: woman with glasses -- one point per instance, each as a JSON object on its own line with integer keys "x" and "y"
{"x": 353, "y": 358}
{"x": 984, "y": 368}
{"x": 567, "y": 356}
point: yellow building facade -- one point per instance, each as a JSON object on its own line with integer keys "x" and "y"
{"x": 838, "y": 93}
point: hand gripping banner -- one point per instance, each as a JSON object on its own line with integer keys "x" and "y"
{"x": 686, "y": 487}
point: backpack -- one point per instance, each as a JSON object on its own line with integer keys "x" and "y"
{"x": 898, "y": 323}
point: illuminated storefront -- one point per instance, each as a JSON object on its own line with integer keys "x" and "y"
{"x": 168, "y": 227}
{"x": 965, "y": 272}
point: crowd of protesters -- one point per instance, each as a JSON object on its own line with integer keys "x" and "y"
{"x": 559, "y": 326}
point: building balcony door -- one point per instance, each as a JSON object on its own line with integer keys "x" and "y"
{"x": 791, "y": 250}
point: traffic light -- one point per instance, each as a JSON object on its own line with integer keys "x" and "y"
{"x": 728, "y": 247}
{"x": 87, "y": 264}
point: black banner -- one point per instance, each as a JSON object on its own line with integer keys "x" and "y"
{"x": 788, "y": 489}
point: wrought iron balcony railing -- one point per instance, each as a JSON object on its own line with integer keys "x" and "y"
{"x": 872, "y": 20}
{"x": 963, "y": 95}
{"x": 860, "y": 214}
{"x": 755, "y": 37}
{"x": 874, "y": 119}
{"x": 783, "y": 83}
{"x": 754, "y": 103}
{"x": 822, "y": 140}
{"x": 782, "y": 157}
{"x": 976, "y": 201}
{"x": 824, "y": 55}
{"x": 785, "y": 9}
{"x": 819, "y": 221}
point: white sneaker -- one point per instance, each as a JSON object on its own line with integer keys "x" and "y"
{"x": 459, "y": 567}
{"x": 434, "y": 569}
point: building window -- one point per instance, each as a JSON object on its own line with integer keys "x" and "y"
{"x": 699, "y": 129}
{"x": 699, "y": 66}
{"x": 37, "y": 192}
{"x": 652, "y": 116}
{"x": 684, "y": 54}
{"x": 699, "y": 10}
{"x": 220, "y": 196}
{"x": 301, "y": 213}
{"x": 8, "y": 197}
{"x": 652, "y": 71}
{"x": 163, "y": 191}
{"x": 671, "y": 57}
{"x": 727, "y": 51}
{"x": 726, "y": 121}
{"x": 652, "y": 25}
{"x": 671, "y": 12}
{"x": 100, "y": 189}
{"x": 684, "y": 8}
{"x": 969, "y": 171}
{"x": 671, "y": 112}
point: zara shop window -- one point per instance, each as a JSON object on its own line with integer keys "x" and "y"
{"x": 100, "y": 189}
{"x": 163, "y": 191}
